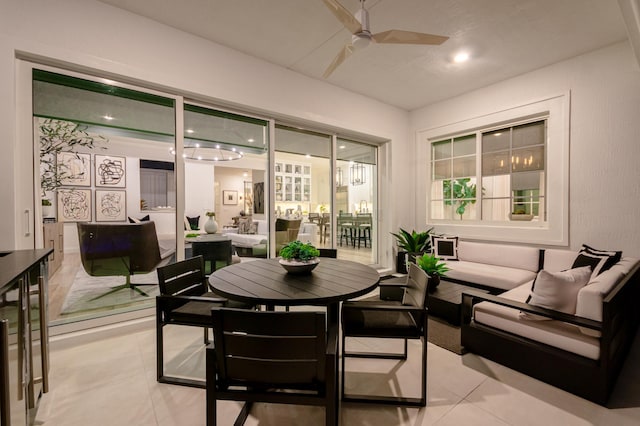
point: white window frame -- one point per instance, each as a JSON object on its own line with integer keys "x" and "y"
{"x": 553, "y": 231}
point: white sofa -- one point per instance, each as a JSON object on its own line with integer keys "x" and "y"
{"x": 580, "y": 352}
{"x": 308, "y": 233}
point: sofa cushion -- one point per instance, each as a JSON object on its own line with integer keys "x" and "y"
{"x": 558, "y": 260}
{"x": 518, "y": 257}
{"x": 559, "y": 290}
{"x": 498, "y": 277}
{"x": 589, "y": 300}
{"x": 553, "y": 333}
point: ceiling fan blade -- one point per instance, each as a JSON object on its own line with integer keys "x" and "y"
{"x": 408, "y": 37}
{"x": 344, "y": 16}
{"x": 340, "y": 58}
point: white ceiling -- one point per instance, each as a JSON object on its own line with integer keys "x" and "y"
{"x": 505, "y": 38}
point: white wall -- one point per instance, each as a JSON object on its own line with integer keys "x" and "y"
{"x": 94, "y": 36}
{"x": 604, "y": 194}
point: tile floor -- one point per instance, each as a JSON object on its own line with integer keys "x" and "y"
{"x": 111, "y": 381}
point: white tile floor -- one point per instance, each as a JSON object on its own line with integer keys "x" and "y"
{"x": 112, "y": 382}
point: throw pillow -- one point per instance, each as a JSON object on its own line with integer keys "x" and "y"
{"x": 253, "y": 228}
{"x": 193, "y": 223}
{"x": 142, "y": 219}
{"x": 594, "y": 262}
{"x": 446, "y": 248}
{"x": 613, "y": 257}
{"x": 244, "y": 226}
{"x": 558, "y": 290}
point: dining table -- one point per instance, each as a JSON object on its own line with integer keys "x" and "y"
{"x": 266, "y": 282}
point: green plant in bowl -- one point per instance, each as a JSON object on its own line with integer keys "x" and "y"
{"x": 297, "y": 250}
{"x": 192, "y": 235}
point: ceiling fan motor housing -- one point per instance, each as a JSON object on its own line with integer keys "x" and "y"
{"x": 362, "y": 38}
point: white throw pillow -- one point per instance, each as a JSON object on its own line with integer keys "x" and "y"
{"x": 558, "y": 290}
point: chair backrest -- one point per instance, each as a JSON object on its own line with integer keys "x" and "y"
{"x": 221, "y": 250}
{"x": 118, "y": 249}
{"x": 326, "y": 252}
{"x": 287, "y": 230}
{"x": 258, "y": 348}
{"x": 184, "y": 278}
{"x": 415, "y": 293}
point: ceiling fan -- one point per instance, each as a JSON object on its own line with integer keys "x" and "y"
{"x": 358, "y": 24}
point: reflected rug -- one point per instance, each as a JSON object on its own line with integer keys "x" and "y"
{"x": 85, "y": 288}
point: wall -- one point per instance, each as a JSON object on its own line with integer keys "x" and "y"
{"x": 89, "y": 35}
{"x": 604, "y": 150}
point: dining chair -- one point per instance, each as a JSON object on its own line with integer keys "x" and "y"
{"x": 216, "y": 254}
{"x": 402, "y": 317}
{"x": 273, "y": 357}
{"x": 327, "y": 252}
{"x": 184, "y": 300}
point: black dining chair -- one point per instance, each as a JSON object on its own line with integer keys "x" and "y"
{"x": 215, "y": 254}
{"x": 328, "y": 252}
{"x": 273, "y": 357}
{"x": 401, "y": 317}
{"x": 184, "y": 299}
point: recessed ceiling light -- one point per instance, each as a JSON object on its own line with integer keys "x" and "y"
{"x": 461, "y": 57}
{"x": 307, "y": 156}
{"x": 107, "y": 117}
{"x": 250, "y": 140}
{"x": 189, "y": 130}
{"x": 342, "y": 147}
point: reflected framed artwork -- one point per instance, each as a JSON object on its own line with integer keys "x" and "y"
{"x": 74, "y": 205}
{"x": 111, "y": 205}
{"x": 111, "y": 171}
{"x": 230, "y": 197}
{"x": 74, "y": 169}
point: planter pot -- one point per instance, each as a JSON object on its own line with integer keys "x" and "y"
{"x": 211, "y": 226}
{"x": 299, "y": 266}
{"x": 403, "y": 259}
{"x": 433, "y": 283}
{"x": 47, "y": 211}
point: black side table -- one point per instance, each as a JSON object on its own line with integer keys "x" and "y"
{"x": 446, "y": 301}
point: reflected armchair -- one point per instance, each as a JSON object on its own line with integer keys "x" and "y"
{"x": 121, "y": 250}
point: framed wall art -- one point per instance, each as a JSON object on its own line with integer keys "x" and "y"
{"x": 74, "y": 205}
{"x": 111, "y": 171}
{"x": 230, "y": 197}
{"x": 111, "y": 205}
{"x": 74, "y": 169}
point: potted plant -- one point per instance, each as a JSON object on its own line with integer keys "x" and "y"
{"x": 411, "y": 244}
{"x": 434, "y": 268}
{"x": 298, "y": 257}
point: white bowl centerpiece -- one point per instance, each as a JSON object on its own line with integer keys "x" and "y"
{"x": 299, "y": 258}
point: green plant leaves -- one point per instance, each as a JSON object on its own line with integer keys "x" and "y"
{"x": 299, "y": 251}
{"x": 432, "y": 265}
{"x": 413, "y": 242}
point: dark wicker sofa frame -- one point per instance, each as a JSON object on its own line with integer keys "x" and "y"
{"x": 591, "y": 379}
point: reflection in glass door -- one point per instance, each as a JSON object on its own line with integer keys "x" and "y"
{"x": 105, "y": 161}
{"x": 356, "y": 200}
{"x": 302, "y": 179}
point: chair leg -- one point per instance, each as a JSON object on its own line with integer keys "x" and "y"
{"x": 206, "y": 336}
{"x": 159, "y": 345}
{"x": 388, "y": 400}
{"x": 210, "y": 393}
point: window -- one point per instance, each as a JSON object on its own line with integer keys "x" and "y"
{"x": 157, "y": 185}
{"x": 511, "y": 168}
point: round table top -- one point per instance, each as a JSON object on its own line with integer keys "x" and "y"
{"x": 266, "y": 282}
